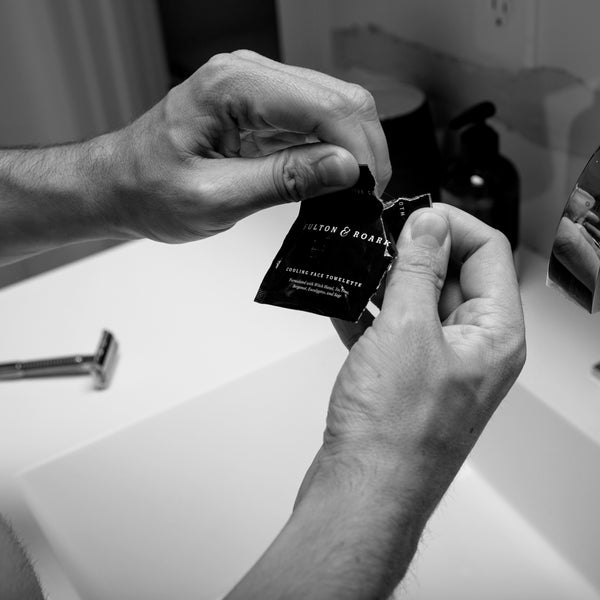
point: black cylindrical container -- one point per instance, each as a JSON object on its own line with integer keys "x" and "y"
{"x": 408, "y": 126}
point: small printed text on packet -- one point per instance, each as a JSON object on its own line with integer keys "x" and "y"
{"x": 327, "y": 276}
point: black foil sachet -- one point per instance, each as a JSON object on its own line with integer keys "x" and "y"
{"x": 337, "y": 252}
{"x": 397, "y": 211}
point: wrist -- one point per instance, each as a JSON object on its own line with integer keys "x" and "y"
{"x": 55, "y": 196}
{"x": 106, "y": 164}
{"x": 362, "y": 518}
{"x": 146, "y": 181}
{"x": 362, "y": 476}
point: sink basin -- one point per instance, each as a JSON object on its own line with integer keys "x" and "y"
{"x": 183, "y": 503}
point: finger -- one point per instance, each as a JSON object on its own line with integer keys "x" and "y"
{"x": 291, "y": 175}
{"x": 260, "y": 143}
{"x": 593, "y": 231}
{"x": 451, "y": 297}
{"x": 487, "y": 272}
{"x": 586, "y": 234}
{"x": 575, "y": 253}
{"x": 370, "y": 122}
{"x": 360, "y": 111}
{"x": 254, "y": 144}
{"x": 417, "y": 277}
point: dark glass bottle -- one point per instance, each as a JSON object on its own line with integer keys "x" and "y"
{"x": 480, "y": 180}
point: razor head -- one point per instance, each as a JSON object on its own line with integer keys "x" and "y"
{"x": 105, "y": 360}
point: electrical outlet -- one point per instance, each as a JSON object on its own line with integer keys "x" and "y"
{"x": 501, "y": 12}
{"x": 504, "y": 33}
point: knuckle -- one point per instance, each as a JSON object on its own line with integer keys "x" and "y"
{"x": 349, "y": 101}
{"x": 335, "y": 103}
{"x": 422, "y": 264}
{"x": 243, "y": 53}
{"x": 363, "y": 100}
{"x": 219, "y": 72}
{"x": 221, "y": 61}
{"x": 220, "y": 81}
{"x": 502, "y": 240}
{"x": 293, "y": 177}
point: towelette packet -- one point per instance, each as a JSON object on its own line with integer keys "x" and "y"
{"x": 338, "y": 251}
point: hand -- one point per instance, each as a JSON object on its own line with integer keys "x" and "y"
{"x": 242, "y": 134}
{"x": 421, "y": 382}
{"x": 416, "y": 390}
{"x": 576, "y": 249}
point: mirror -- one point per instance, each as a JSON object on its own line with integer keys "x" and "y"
{"x": 574, "y": 266}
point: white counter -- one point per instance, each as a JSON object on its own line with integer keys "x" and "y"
{"x": 185, "y": 319}
{"x": 188, "y": 329}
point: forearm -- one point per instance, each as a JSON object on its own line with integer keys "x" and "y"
{"x": 352, "y": 535}
{"x": 57, "y": 195}
{"x": 17, "y": 577}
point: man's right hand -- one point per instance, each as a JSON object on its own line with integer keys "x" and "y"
{"x": 243, "y": 133}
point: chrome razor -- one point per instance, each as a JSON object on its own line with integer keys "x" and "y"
{"x": 100, "y": 365}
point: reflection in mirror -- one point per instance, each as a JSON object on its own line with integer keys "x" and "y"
{"x": 575, "y": 260}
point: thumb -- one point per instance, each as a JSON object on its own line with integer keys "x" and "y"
{"x": 290, "y": 175}
{"x": 302, "y": 172}
{"x": 419, "y": 272}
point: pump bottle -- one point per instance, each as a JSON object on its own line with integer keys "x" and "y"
{"x": 479, "y": 180}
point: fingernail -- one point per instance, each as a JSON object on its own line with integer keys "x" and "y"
{"x": 429, "y": 229}
{"x": 334, "y": 172}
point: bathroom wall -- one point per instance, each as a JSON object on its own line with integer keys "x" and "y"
{"x": 193, "y": 34}
{"x": 538, "y": 60}
{"x": 71, "y": 70}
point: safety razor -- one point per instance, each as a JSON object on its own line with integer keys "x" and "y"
{"x": 100, "y": 365}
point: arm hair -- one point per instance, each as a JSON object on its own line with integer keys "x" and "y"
{"x": 18, "y": 580}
